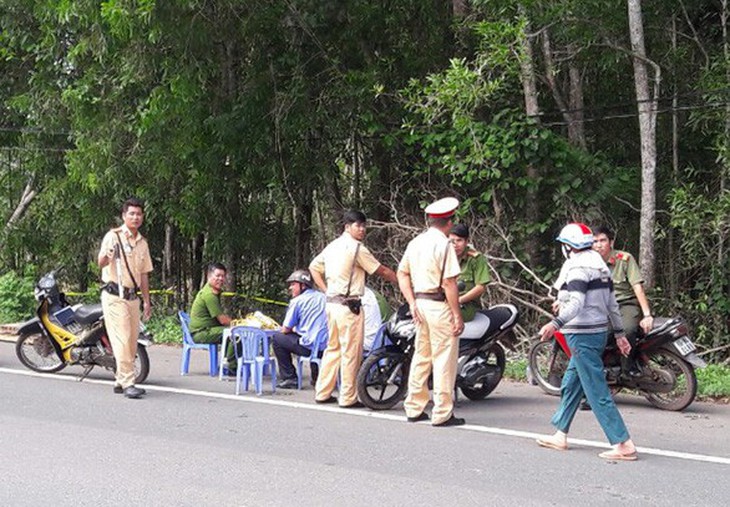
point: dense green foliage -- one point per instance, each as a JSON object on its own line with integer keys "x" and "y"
{"x": 248, "y": 126}
{"x": 16, "y": 297}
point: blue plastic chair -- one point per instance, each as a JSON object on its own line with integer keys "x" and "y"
{"x": 313, "y": 357}
{"x": 252, "y": 357}
{"x": 189, "y": 345}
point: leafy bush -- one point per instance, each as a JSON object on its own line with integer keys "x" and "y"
{"x": 714, "y": 380}
{"x": 165, "y": 329}
{"x": 16, "y": 297}
{"x": 516, "y": 369}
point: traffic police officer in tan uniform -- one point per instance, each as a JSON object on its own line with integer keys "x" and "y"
{"x": 339, "y": 270}
{"x": 119, "y": 298}
{"x": 427, "y": 276}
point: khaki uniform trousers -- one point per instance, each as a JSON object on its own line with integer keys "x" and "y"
{"x": 343, "y": 354}
{"x": 436, "y": 349}
{"x": 121, "y": 318}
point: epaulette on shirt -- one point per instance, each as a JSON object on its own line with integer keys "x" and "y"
{"x": 623, "y": 256}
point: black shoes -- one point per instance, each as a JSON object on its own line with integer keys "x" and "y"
{"x": 133, "y": 392}
{"x": 289, "y": 383}
{"x": 452, "y": 421}
{"x": 118, "y": 389}
{"x": 357, "y": 404}
{"x": 423, "y": 416}
{"x": 331, "y": 399}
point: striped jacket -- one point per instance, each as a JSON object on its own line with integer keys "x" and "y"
{"x": 586, "y": 296}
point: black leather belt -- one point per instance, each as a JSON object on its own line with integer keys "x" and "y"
{"x": 433, "y": 296}
{"x": 113, "y": 289}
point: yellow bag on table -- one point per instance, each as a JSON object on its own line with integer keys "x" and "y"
{"x": 256, "y": 319}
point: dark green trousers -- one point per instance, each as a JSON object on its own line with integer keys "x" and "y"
{"x": 215, "y": 335}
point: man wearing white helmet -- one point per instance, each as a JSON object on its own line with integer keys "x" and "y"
{"x": 305, "y": 325}
{"x": 586, "y": 302}
{"x": 427, "y": 277}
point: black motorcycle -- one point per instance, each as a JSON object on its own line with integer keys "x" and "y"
{"x": 665, "y": 363}
{"x": 382, "y": 380}
{"x": 63, "y": 335}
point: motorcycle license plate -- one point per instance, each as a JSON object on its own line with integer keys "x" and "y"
{"x": 684, "y": 345}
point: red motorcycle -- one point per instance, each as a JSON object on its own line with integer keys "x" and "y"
{"x": 665, "y": 358}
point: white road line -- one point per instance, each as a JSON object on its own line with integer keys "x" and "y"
{"x": 377, "y": 415}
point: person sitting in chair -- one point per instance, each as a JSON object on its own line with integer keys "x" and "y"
{"x": 304, "y": 325}
{"x": 207, "y": 318}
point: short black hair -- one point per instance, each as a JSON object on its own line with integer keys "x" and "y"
{"x": 461, "y": 230}
{"x": 604, "y": 229}
{"x": 216, "y": 265}
{"x": 133, "y": 202}
{"x": 352, "y": 216}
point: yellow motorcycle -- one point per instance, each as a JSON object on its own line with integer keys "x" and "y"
{"x": 62, "y": 335}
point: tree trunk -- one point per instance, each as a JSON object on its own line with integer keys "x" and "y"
{"x": 196, "y": 264}
{"x": 167, "y": 256}
{"x": 647, "y": 128}
{"x": 460, "y": 8}
{"x": 673, "y": 283}
{"x": 576, "y": 126}
{"x": 532, "y": 110}
{"x": 304, "y": 232}
{"x": 29, "y": 193}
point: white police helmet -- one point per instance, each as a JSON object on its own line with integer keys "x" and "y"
{"x": 576, "y": 235}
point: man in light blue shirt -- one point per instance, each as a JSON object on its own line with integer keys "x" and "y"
{"x": 304, "y": 326}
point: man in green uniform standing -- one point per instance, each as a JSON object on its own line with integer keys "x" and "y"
{"x": 474, "y": 272}
{"x": 207, "y": 318}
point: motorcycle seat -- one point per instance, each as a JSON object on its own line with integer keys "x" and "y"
{"x": 661, "y": 324}
{"x": 475, "y": 328}
{"x": 495, "y": 318}
{"x": 88, "y": 314}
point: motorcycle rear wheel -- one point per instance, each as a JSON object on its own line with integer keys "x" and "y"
{"x": 141, "y": 365}
{"x": 672, "y": 366}
{"x": 383, "y": 379}
{"x": 494, "y": 356}
{"x": 548, "y": 379}
{"x": 37, "y": 353}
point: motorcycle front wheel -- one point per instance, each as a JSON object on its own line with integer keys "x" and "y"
{"x": 383, "y": 379}
{"x": 495, "y": 358}
{"x": 677, "y": 375}
{"x": 548, "y": 363}
{"x": 37, "y": 353}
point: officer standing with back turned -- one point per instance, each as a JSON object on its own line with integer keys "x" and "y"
{"x": 125, "y": 261}
{"x": 427, "y": 277}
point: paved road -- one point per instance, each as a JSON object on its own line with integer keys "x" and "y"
{"x": 191, "y": 442}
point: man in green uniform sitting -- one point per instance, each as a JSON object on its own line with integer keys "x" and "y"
{"x": 628, "y": 286}
{"x": 474, "y": 272}
{"x": 207, "y": 318}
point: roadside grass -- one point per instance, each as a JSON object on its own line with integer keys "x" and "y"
{"x": 713, "y": 382}
{"x": 165, "y": 329}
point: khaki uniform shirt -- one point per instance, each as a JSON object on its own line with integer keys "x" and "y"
{"x": 137, "y": 252}
{"x": 424, "y": 260}
{"x": 625, "y": 273}
{"x": 335, "y": 263}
